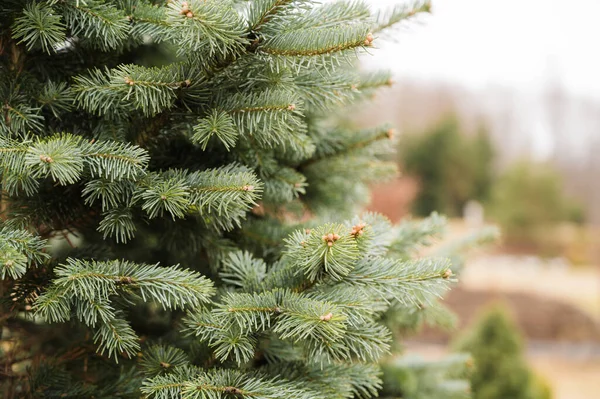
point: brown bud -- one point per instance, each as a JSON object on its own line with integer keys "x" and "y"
{"x": 291, "y": 107}
{"x": 248, "y": 188}
{"x": 232, "y": 390}
{"x": 8, "y": 263}
{"x": 125, "y": 280}
{"x": 165, "y": 365}
{"x": 335, "y": 237}
{"x": 391, "y": 133}
{"x": 358, "y": 229}
{"x": 28, "y": 307}
{"x": 330, "y": 236}
{"x": 367, "y": 43}
{"x": 189, "y": 14}
{"x": 370, "y": 37}
{"x": 163, "y": 197}
{"x": 326, "y": 317}
{"x": 447, "y": 273}
{"x": 46, "y": 159}
{"x": 324, "y": 237}
{"x": 330, "y": 243}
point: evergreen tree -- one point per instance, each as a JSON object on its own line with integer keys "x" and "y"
{"x": 500, "y": 371}
{"x": 159, "y": 161}
{"x": 452, "y": 167}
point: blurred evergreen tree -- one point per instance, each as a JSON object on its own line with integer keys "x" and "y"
{"x": 500, "y": 371}
{"x": 452, "y": 168}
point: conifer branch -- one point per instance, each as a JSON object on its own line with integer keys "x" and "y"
{"x": 401, "y": 13}
{"x": 207, "y": 26}
{"x": 104, "y": 25}
{"x": 316, "y": 41}
{"x": 412, "y": 235}
{"x": 39, "y": 26}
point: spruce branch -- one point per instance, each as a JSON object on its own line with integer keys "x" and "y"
{"x": 401, "y": 13}
{"x": 242, "y": 271}
{"x": 284, "y": 185}
{"x": 211, "y": 27}
{"x": 148, "y": 20}
{"x": 160, "y": 360}
{"x": 412, "y": 235}
{"x": 271, "y": 117}
{"x": 293, "y": 315}
{"x": 218, "y": 124}
{"x": 117, "y": 223}
{"x": 115, "y": 336}
{"x": 328, "y": 250}
{"x": 24, "y": 242}
{"x": 59, "y": 157}
{"x": 97, "y": 23}
{"x": 64, "y": 158}
{"x": 18, "y": 117}
{"x": 261, "y": 12}
{"x": 110, "y": 193}
{"x": 214, "y": 384}
{"x": 86, "y": 288}
{"x": 410, "y": 282}
{"x": 220, "y": 196}
{"x": 56, "y": 98}
{"x": 39, "y": 26}
{"x": 170, "y": 286}
{"x": 316, "y": 41}
{"x": 134, "y": 87}
{"x": 112, "y": 160}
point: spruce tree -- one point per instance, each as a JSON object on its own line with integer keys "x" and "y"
{"x": 177, "y": 201}
{"x": 500, "y": 370}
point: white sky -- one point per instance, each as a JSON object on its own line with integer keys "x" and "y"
{"x": 517, "y": 43}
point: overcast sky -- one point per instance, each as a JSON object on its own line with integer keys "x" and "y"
{"x": 517, "y": 43}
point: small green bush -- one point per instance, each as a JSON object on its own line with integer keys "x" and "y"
{"x": 500, "y": 369}
{"x": 529, "y": 199}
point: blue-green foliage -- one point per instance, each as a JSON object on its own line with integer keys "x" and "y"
{"x": 159, "y": 161}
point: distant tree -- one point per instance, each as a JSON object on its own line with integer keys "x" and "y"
{"x": 500, "y": 369}
{"x": 451, "y": 167}
{"x": 527, "y": 199}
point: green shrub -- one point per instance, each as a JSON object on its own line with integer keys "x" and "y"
{"x": 500, "y": 369}
{"x": 528, "y": 199}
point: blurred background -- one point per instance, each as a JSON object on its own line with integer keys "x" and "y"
{"x": 497, "y": 109}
